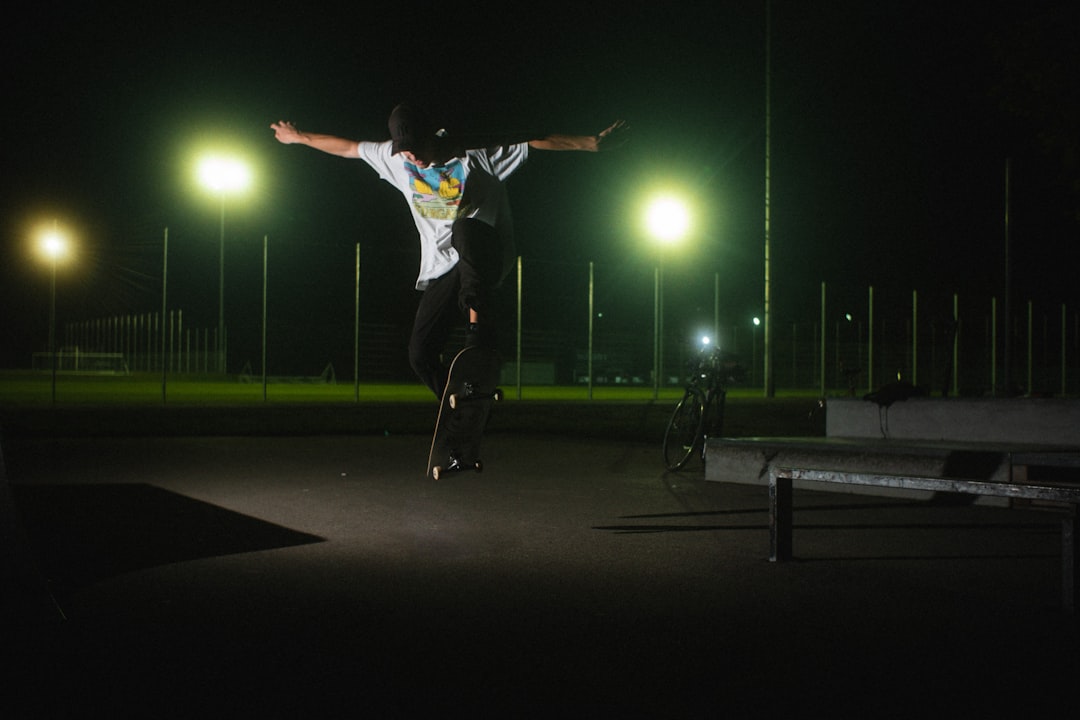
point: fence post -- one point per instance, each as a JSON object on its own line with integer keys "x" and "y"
{"x": 356, "y": 330}
{"x": 164, "y": 288}
{"x": 716, "y": 309}
{"x": 1063, "y": 333}
{"x": 656, "y": 333}
{"x": 823, "y": 339}
{"x": 589, "y": 360}
{"x": 1030, "y": 354}
{"x": 870, "y": 342}
{"x": 956, "y": 345}
{"x": 993, "y": 347}
{"x": 519, "y": 274}
{"x": 264, "y": 288}
{"x": 914, "y": 337}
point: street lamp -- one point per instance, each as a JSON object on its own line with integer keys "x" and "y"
{"x": 222, "y": 175}
{"x": 667, "y": 220}
{"x": 53, "y": 247}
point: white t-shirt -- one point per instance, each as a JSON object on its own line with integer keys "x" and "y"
{"x": 467, "y": 187}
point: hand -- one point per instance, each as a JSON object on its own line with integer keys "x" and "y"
{"x": 285, "y": 132}
{"x": 612, "y": 137}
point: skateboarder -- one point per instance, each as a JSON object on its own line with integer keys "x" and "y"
{"x": 455, "y": 191}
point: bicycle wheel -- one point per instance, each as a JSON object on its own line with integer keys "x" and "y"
{"x": 684, "y": 429}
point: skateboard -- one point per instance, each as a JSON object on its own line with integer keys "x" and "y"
{"x": 463, "y": 412}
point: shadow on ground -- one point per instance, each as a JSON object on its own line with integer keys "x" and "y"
{"x": 82, "y": 534}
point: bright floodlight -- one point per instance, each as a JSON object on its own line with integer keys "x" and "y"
{"x": 224, "y": 174}
{"x": 53, "y": 245}
{"x": 667, "y": 219}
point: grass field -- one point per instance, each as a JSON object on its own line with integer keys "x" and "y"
{"x": 136, "y": 405}
{"x": 30, "y": 389}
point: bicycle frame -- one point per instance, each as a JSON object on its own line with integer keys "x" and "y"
{"x": 698, "y": 415}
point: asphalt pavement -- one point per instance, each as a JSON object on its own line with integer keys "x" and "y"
{"x": 326, "y": 576}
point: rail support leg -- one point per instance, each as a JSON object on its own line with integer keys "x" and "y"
{"x": 780, "y": 517}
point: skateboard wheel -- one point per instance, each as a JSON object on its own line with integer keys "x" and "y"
{"x": 435, "y": 472}
{"x": 479, "y": 466}
{"x": 498, "y": 394}
{"x": 453, "y": 401}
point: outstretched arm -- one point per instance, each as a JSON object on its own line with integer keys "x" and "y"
{"x": 608, "y": 139}
{"x": 286, "y": 133}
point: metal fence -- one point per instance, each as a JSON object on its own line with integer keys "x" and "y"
{"x": 581, "y": 324}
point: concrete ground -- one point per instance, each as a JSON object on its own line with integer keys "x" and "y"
{"x": 326, "y": 576}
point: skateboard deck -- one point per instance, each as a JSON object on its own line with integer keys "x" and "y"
{"x": 463, "y": 412}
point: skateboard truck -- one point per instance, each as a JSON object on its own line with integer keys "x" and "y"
{"x": 456, "y": 465}
{"x": 470, "y": 392}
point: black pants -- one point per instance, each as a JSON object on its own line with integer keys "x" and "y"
{"x": 446, "y": 301}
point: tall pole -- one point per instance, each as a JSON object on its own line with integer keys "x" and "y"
{"x": 822, "y": 348}
{"x": 753, "y": 354}
{"x": 592, "y": 314}
{"x": 356, "y": 330}
{"x": 164, "y": 286}
{"x": 222, "y": 175}
{"x": 955, "y": 382}
{"x": 656, "y": 333}
{"x": 660, "y": 320}
{"x": 1064, "y": 337}
{"x": 1007, "y": 334}
{"x": 716, "y": 309}
{"x": 265, "y": 257}
{"x": 993, "y": 346}
{"x": 914, "y": 337}
{"x": 1030, "y": 346}
{"x": 517, "y": 348}
{"x": 769, "y": 385}
{"x": 52, "y": 325}
{"x": 870, "y": 341}
{"x": 221, "y": 291}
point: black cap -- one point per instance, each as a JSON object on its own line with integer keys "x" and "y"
{"x": 408, "y": 124}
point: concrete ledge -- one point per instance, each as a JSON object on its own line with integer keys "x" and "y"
{"x": 1049, "y": 421}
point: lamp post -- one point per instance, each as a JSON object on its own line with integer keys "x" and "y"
{"x": 53, "y": 246}
{"x": 753, "y": 357}
{"x": 222, "y": 175}
{"x": 667, "y": 220}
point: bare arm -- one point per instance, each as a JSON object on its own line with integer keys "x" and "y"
{"x": 607, "y": 139}
{"x": 286, "y": 133}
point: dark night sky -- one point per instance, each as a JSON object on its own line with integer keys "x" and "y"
{"x": 891, "y": 124}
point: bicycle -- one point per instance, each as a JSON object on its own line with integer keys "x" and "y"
{"x": 700, "y": 412}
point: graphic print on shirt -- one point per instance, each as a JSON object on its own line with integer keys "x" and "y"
{"x": 437, "y": 191}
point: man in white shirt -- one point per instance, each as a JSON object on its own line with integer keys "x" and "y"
{"x": 455, "y": 189}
